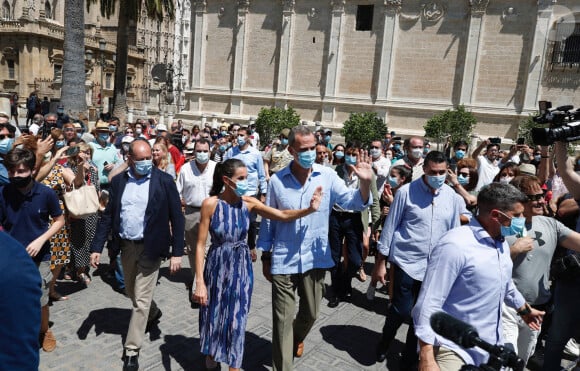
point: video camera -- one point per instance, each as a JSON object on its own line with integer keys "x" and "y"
{"x": 564, "y": 124}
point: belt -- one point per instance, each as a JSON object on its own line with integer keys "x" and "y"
{"x": 141, "y": 241}
{"x": 191, "y": 209}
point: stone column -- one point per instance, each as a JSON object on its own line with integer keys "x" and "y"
{"x": 334, "y": 58}
{"x": 471, "y": 65}
{"x": 130, "y": 114}
{"x": 538, "y": 54}
{"x": 390, "y": 16}
{"x": 199, "y": 44}
{"x": 240, "y": 56}
{"x": 285, "y": 45}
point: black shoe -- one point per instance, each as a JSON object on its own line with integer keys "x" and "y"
{"x": 153, "y": 321}
{"x": 131, "y": 363}
{"x": 333, "y": 302}
{"x": 381, "y": 352}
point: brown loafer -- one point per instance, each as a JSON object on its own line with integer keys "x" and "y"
{"x": 48, "y": 341}
{"x": 298, "y": 349}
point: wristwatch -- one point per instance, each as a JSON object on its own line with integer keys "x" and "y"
{"x": 524, "y": 312}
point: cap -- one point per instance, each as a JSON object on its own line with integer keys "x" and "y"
{"x": 77, "y": 125}
{"x": 127, "y": 139}
{"x": 161, "y": 127}
{"x": 102, "y": 126}
{"x": 528, "y": 169}
{"x": 189, "y": 148}
{"x": 87, "y": 138}
{"x": 285, "y": 132}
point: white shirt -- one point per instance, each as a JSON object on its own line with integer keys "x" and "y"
{"x": 194, "y": 186}
{"x": 382, "y": 167}
{"x": 487, "y": 170}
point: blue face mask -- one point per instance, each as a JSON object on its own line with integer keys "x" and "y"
{"x": 59, "y": 144}
{"x": 223, "y": 148}
{"x": 396, "y": 147}
{"x": 6, "y": 145}
{"x": 284, "y": 141}
{"x": 516, "y": 227}
{"x": 459, "y": 154}
{"x": 103, "y": 136}
{"x": 113, "y": 128}
{"x": 350, "y": 160}
{"x": 306, "y": 158}
{"x": 241, "y": 187}
{"x": 202, "y": 157}
{"x": 393, "y": 182}
{"x": 463, "y": 180}
{"x": 224, "y": 133}
{"x": 436, "y": 181}
{"x": 327, "y": 138}
{"x": 241, "y": 141}
{"x": 143, "y": 167}
{"x": 79, "y": 135}
{"x": 339, "y": 154}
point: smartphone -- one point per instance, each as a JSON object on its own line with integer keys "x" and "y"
{"x": 72, "y": 151}
{"x": 495, "y": 140}
{"x": 105, "y": 163}
{"x": 520, "y": 141}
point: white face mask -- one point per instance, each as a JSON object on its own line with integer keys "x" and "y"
{"x": 505, "y": 179}
{"x": 417, "y": 152}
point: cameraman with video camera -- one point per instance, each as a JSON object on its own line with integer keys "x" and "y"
{"x": 565, "y": 322}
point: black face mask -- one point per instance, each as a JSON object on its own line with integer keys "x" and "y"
{"x": 21, "y": 182}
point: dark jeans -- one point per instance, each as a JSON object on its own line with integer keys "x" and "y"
{"x": 565, "y": 322}
{"x": 405, "y": 293}
{"x": 345, "y": 227}
{"x": 254, "y": 228}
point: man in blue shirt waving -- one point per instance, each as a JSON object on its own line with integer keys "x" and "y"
{"x": 296, "y": 254}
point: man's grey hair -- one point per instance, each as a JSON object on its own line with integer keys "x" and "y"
{"x": 301, "y": 130}
{"x": 50, "y": 114}
{"x": 499, "y": 196}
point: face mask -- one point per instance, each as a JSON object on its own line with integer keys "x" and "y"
{"x": 417, "y": 152}
{"x": 393, "y": 182}
{"x": 103, "y": 137}
{"x": 214, "y": 137}
{"x": 113, "y": 128}
{"x": 223, "y": 148}
{"x": 505, "y": 179}
{"x": 21, "y": 182}
{"x": 327, "y": 138}
{"x": 397, "y": 147}
{"x": 224, "y": 133}
{"x": 436, "y": 181}
{"x": 79, "y": 135}
{"x": 284, "y": 141}
{"x": 229, "y": 144}
{"x": 538, "y": 158}
{"x": 59, "y": 111}
{"x": 138, "y": 131}
{"x": 306, "y": 159}
{"x": 459, "y": 154}
{"x": 241, "y": 187}
{"x": 516, "y": 227}
{"x": 339, "y": 154}
{"x": 202, "y": 157}
{"x": 389, "y": 156}
{"x": 6, "y": 145}
{"x": 143, "y": 167}
{"x": 350, "y": 160}
{"x": 241, "y": 141}
{"x": 59, "y": 144}
{"x": 463, "y": 180}
{"x": 375, "y": 152}
{"x": 425, "y": 150}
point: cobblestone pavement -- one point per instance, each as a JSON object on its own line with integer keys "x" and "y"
{"x": 90, "y": 327}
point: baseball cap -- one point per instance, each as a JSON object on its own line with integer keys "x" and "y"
{"x": 161, "y": 127}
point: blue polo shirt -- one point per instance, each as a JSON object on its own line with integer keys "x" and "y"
{"x": 27, "y": 216}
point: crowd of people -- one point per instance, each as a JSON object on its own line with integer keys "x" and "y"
{"x": 487, "y": 236}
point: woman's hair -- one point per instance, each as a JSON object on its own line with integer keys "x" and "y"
{"x": 55, "y": 134}
{"x": 525, "y": 183}
{"x": 404, "y": 172}
{"x": 467, "y": 162}
{"x": 163, "y": 140}
{"x": 473, "y": 178}
{"x": 227, "y": 168}
{"x": 510, "y": 166}
{"x": 163, "y": 161}
{"x": 82, "y": 148}
{"x": 335, "y": 160}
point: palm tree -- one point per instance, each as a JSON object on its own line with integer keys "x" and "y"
{"x": 73, "y": 69}
{"x": 128, "y": 15}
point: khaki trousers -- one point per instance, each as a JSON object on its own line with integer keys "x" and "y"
{"x": 448, "y": 360}
{"x": 192, "y": 219}
{"x": 287, "y": 330}
{"x": 140, "y": 281}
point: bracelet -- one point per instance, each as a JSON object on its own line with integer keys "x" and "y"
{"x": 524, "y": 312}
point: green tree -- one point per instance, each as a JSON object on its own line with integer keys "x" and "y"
{"x": 271, "y": 121}
{"x": 525, "y": 129}
{"x": 456, "y": 124}
{"x": 73, "y": 69}
{"x": 129, "y": 11}
{"x": 364, "y": 127}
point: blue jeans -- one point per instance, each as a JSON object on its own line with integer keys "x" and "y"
{"x": 565, "y": 322}
{"x": 119, "y": 276}
{"x": 405, "y": 293}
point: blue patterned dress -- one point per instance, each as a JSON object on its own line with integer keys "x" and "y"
{"x": 229, "y": 279}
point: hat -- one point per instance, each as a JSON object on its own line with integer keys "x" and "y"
{"x": 102, "y": 126}
{"x": 327, "y": 131}
{"x": 189, "y": 148}
{"x": 528, "y": 169}
{"x": 285, "y": 132}
{"x": 88, "y": 138}
{"x": 77, "y": 125}
{"x": 127, "y": 139}
{"x": 161, "y": 127}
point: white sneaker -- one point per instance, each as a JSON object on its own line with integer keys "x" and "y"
{"x": 371, "y": 292}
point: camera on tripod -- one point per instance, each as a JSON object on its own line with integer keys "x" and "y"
{"x": 564, "y": 124}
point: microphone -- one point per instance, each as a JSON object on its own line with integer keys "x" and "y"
{"x": 453, "y": 329}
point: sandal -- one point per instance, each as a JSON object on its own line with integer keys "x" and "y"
{"x": 55, "y": 296}
{"x": 83, "y": 277}
{"x": 361, "y": 275}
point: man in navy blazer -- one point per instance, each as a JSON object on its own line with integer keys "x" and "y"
{"x": 145, "y": 218}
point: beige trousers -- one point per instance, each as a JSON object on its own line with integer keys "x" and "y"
{"x": 448, "y": 360}
{"x": 192, "y": 219}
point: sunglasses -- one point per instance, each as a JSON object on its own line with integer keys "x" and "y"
{"x": 69, "y": 129}
{"x": 465, "y": 175}
{"x": 536, "y": 197}
{"x": 4, "y": 136}
{"x": 374, "y": 147}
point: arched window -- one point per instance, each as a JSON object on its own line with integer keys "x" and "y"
{"x": 6, "y": 10}
{"x": 47, "y": 10}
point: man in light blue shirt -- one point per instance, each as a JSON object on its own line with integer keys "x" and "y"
{"x": 421, "y": 213}
{"x": 296, "y": 254}
{"x": 469, "y": 277}
{"x": 257, "y": 184}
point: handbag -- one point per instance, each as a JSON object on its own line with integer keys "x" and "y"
{"x": 82, "y": 202}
